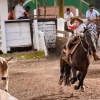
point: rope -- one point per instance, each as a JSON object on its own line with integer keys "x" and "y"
{"x": 82, "y": 44}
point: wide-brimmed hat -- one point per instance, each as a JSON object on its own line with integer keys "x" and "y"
{"x": 77, "y": 18}
{"x": 95, "y": 19}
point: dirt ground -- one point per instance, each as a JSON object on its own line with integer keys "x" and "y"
{"x": 38, "y": 80}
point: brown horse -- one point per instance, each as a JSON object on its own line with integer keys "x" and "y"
{"x": 80, "y": 60}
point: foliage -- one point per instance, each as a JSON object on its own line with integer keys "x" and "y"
{"x": 94, "y": 2}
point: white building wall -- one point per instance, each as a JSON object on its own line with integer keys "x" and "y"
{"x": 49, "y": 29}
{"x": 3, "y": 16}
{"x": 17, "y": 35}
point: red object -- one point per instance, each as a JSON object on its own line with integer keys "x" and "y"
{"x": 72, "y": 27}
{"x": 10, "y": 15}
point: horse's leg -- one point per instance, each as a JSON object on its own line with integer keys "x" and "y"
{"x": 81, "y": 80}
{"x": 61, "y": 71}
{"x": 67, "y": 73}
{"x": 74, "y": 79}
{"x": 79, "y": 75}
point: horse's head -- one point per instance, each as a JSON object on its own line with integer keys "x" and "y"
{"x": 90, "y": 38}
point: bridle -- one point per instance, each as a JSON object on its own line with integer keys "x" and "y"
{"x": 85, "y": 34}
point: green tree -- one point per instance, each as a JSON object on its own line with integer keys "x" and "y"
{"x": 90, "y": 1}
{"x": 95, "y": 3}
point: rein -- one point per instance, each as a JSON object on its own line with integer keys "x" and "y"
{"x": 86, "y": 50}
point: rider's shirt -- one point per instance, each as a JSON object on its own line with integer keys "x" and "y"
{"x": 92, "y": 15}
{"x": 80, "y": 29}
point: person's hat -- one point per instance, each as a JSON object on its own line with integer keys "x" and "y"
{"x": 21, "y": 1}
{"x": 94, "y": 19}
{"x": 78, "y": 19}
{"x": 91, "y": 6}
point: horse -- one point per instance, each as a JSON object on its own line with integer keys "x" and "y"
{"x": 80, "y": 60}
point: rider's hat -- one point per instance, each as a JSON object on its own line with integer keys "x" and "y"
{"x": 78, "y": 19}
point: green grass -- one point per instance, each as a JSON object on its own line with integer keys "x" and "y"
{"x": 25, "y": 55}
{"x": 6, "y": 55}
{"x": 38, "y": 54}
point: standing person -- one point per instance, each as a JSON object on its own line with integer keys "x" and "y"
{"x": 67, "y": 16}
{"x": 91, "y": 13}
{"x": 19, "y": 10}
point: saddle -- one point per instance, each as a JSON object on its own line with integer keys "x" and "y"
{"x": 72, "y": 47}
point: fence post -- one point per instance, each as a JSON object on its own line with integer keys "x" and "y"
{"x": 61, "y": 8}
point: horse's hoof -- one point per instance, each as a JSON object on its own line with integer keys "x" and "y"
{"x": 6, "y": 90}
{"x": 76, "y": 87}
{"x": 83, "y": 88}
{"x": 68, "y": 83}
{"x": 73, "y": 80}
{"x": 60, "y": 82}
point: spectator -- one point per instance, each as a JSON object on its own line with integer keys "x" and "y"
{"x": 91, "y": 13}
{"x": 68, "y": 15}
{"x": 20, "y": 11}
{"x": 27, "y": 9}
{"x": 11, "y": 14}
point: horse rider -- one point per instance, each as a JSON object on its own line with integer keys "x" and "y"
{"x": 93, "y": 25}
{"x": 78, "y": 31}
{"x": 91, "y": 13}
{"x": 68, "y": 15}
{"x": 80, "y": 26}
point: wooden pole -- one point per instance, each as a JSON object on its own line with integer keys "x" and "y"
{"x": 44, "y": 8}
{"x": 80, "y": 2}
{"x": 38, "y": 8}
{"x": 61, "y": 8}
{"x": 55, "y": 4}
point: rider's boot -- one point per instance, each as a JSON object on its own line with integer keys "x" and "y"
{"x": 95, "y": 56}
{"x": 67, "y": 54}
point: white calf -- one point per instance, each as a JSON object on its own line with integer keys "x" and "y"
{"x": 6, "y": 96}
{"x": 4, "y": 71}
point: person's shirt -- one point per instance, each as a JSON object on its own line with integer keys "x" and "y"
{"x": 19, "y": 11}
{"x": 68, "y": 15}
{"x": 10, "y": 15}
{"x": 80, "y": 29}
{"x": 93, "y": 26}
{"x": 92, "y": 15}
